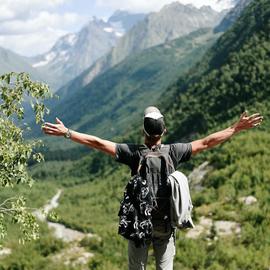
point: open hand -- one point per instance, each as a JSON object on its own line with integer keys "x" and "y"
{"x": 247, "y": 122}
{"x": 57, "y": 129}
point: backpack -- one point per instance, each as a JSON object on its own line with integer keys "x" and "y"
{"x": 146, "y": 199}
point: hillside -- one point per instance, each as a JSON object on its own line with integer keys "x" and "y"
{"x": 233, "y": 74}
{"x": 125, "y": 20}
{"x": 123, "y": 91}
{"x": 156, "y": 28}
{"x": 235, "y": 77}
{"x": 232, "y": 16}
{"x": 237, "y": 169}
{"x": 11, "y": 61}
{"x": 75, "y": 52}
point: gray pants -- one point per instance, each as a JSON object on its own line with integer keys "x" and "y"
{"x": 164, "y": 251}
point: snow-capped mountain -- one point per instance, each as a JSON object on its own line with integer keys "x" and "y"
{"x": 75, "y": 52}
{"x": 59, "y": 52}
{"x": 172, "y": 21}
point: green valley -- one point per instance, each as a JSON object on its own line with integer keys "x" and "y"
{"x": 118, "y": 95}
{"x": 234, "y": 75}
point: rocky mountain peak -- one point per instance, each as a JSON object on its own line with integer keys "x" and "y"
{"x": 123, "y": 20}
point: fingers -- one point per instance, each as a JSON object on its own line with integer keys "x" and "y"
{"x": 255, "y": 115}
{"x": 256, "y": 125}
{"x": 57, "y": 129}
{"x": 244, "y": 114}
{"x": 254, "y": 118}
{"x": 247, "y": 122}
{"x": 257, "y": 119}
{"x": 58, "y": 121}
{"x": 50, "y": 125}
{"x": 51, "y": 131}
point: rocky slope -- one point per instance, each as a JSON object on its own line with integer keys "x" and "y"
{"x": 11, "y": 61}
{"x": 232, "y": 16}
{"x": 173, "y": 21}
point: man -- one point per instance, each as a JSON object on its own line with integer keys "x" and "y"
{"x": 129, "y": 154}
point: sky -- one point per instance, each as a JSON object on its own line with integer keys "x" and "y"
{"x": 31, "y": 27}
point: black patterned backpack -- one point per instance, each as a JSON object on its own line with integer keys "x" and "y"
{"x": 147, "y": 196}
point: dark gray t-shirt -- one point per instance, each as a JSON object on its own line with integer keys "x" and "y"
{"x": 129, "y": 154}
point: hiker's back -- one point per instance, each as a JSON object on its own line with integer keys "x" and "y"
{"x": 155, "y": 168}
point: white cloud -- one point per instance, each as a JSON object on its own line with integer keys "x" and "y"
{"x": 31, "y": 27}
{"x": 31, "y": 44}
{"x": 44, "y": 20}
{"x": 6, "y": 13}
{"x": 15, "y": 8}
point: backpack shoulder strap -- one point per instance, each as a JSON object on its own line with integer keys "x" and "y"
{"x": 144, "y": 151}
{"x": 165, "y": 150}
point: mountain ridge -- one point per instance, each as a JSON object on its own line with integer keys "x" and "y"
{"x": 122, "y": 90}
{"x": 153, "y": 30}
{"x": 73, "y": 53}
{"x": 135, "y": 40}
{"x": 11, "y": 61}
{"x": 229, "y": 60}
{"x": 232, "y": 16}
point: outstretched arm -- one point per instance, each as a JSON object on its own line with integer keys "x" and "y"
{"x": 245, "y": 122}
{"x": 59, "y": 129}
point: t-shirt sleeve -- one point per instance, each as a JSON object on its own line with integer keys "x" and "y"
{"x": 181, "y": 152}
{"x": 125, "y": 153}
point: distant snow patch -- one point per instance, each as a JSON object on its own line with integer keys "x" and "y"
{"x": 118, "y": 27}
{"x": 48, "y": 58}
{"x": 108, "y": 29}
{"x": 112, "y": 30}
{"x": 118, "y": 34}
{"x": 64, "y": 56}
{"x": 72, "y": 39}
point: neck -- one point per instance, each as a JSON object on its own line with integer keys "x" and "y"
{"x": 150, "y": 142}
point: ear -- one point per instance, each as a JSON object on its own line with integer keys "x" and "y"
{"x": 164, "y": 132}
{"x": 142, "y": 131}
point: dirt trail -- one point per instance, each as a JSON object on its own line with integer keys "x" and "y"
{"x": 60, "y": 231}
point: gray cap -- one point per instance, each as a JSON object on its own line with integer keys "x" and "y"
{"x": 153, "y": 122}
{"x": 152, "y": 112}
